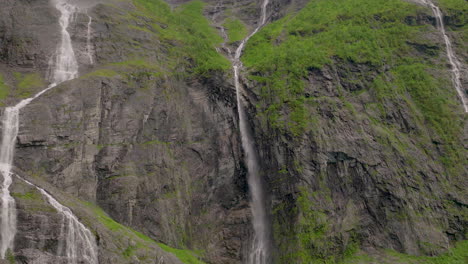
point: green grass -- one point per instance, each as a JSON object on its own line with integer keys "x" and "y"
{"x": 236, "y": 30}
{"x": 31, "y": 195}
{"x": 458, "y": 10}
{"x": 357, "y": 31}
{"x": 102, "y": 73}
{"x": 190, "y": 37}
{"x": 372, "y": 33}
{"x": 456, "y": 255}
{"x": 10, "y": 257}
{"x": 27, "y": 84}
{"x": 455, "y": 6}
{"x": 4, "y": 88}
{"x": 185, "y": 255}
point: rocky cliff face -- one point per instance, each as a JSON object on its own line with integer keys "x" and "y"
{"x": 347, "y": 163}
{"x": 149, "y": 134}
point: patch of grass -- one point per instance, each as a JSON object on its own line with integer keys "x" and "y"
{"x": 190, "y": 37}
{"x": 456, "y": 255}
{"x": 129, "y": 69}
{"x": 434, "y": 103}
{"x": 4, "y": 88}
{"x": 27, "y": 84}
{"x": 455, "y": 7}
{"x": 236, "y": 29}
{"x": 137, "y": 63}
{"x": 102, "y": 73}
{"x": 355, "y": 31}
{"x": 10, "y": 257}
{"x": 31, "y": 195}
{"x": 186, "y": 256}
{"x": 310, "y": 242}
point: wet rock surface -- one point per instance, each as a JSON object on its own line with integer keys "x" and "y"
{"x": 161, "y": 153}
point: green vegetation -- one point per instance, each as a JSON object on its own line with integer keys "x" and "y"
{"x": 310, "y": 243}
{"x": 27, "y": 84}
{"x": 187, "y": 33}
{"x": 360, "y": 32}
{"x": 102, "y": 73}
{"x": 311, "y": 232}
{"x": 372, "y": 44}
{"x": 186, "y": 256}
{"x": 31, "y": 195}
{"x": 4, "y": 89}
{"x": 458, "y": 10}
{"x": 310, "y": 240}
{"x": 10, "y": 257}
{"x": 353, "y": 32}
{"x": 236, "y": 30}
{"x": 456, "y": 7}
{"x": 456, "y": 255}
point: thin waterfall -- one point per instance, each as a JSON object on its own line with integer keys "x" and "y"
{"x": 89, "y": 50}
{"x": 260, "y": 249}
{"x": 80, "y": 244}
{"x": 63, "y": 68}
{"x": 454, "y": 62}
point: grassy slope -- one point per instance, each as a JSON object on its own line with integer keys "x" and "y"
{"x": 187, "y": 32}
{"x": 456, "y": 255}
{"x": 236, "y": 30}
{"x": 372, "y": 33}
{"x": 186, "y": 256}
{"x": 367, "y": 32}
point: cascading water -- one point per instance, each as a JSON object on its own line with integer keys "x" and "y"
{"x": 8, "y": 224}
{"x": 80, "y": 243}
{"x": 63, "y": 68}
{"x": 454, "y": 62}
{"x": 260, "y": 250}
{"x": 89, "y": 50}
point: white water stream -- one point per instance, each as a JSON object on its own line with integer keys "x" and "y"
{"x": 63, "y": 68}
{"x": 80, "y": 244}
{"x": 454, "y": 62}
{"x": 260, "y": 250}
{"x": 89, "y": 49}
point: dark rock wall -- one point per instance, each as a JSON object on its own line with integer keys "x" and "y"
{"x": 161, "y": 153}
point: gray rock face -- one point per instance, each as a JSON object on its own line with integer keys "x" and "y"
{"x": 160, "y": 152}
{"x": 28, "y": 33}
{"x": 41, "y": 237}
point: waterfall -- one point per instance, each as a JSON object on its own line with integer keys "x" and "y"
{"x": 65, "y": 65}
{"x": 89, "y": 50}
{"x": 454, "y": 62}
{"x": 63, "y": 68}
{"x": 80, "y": 244}
{"x": 8, "y": 221}
{"x": 260, "y": 249}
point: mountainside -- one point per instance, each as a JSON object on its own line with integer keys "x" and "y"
{"x": 359, "y": 132}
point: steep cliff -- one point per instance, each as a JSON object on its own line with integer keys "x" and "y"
{"x": 361, "y": 134}
{"x": 367, "y": 127}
